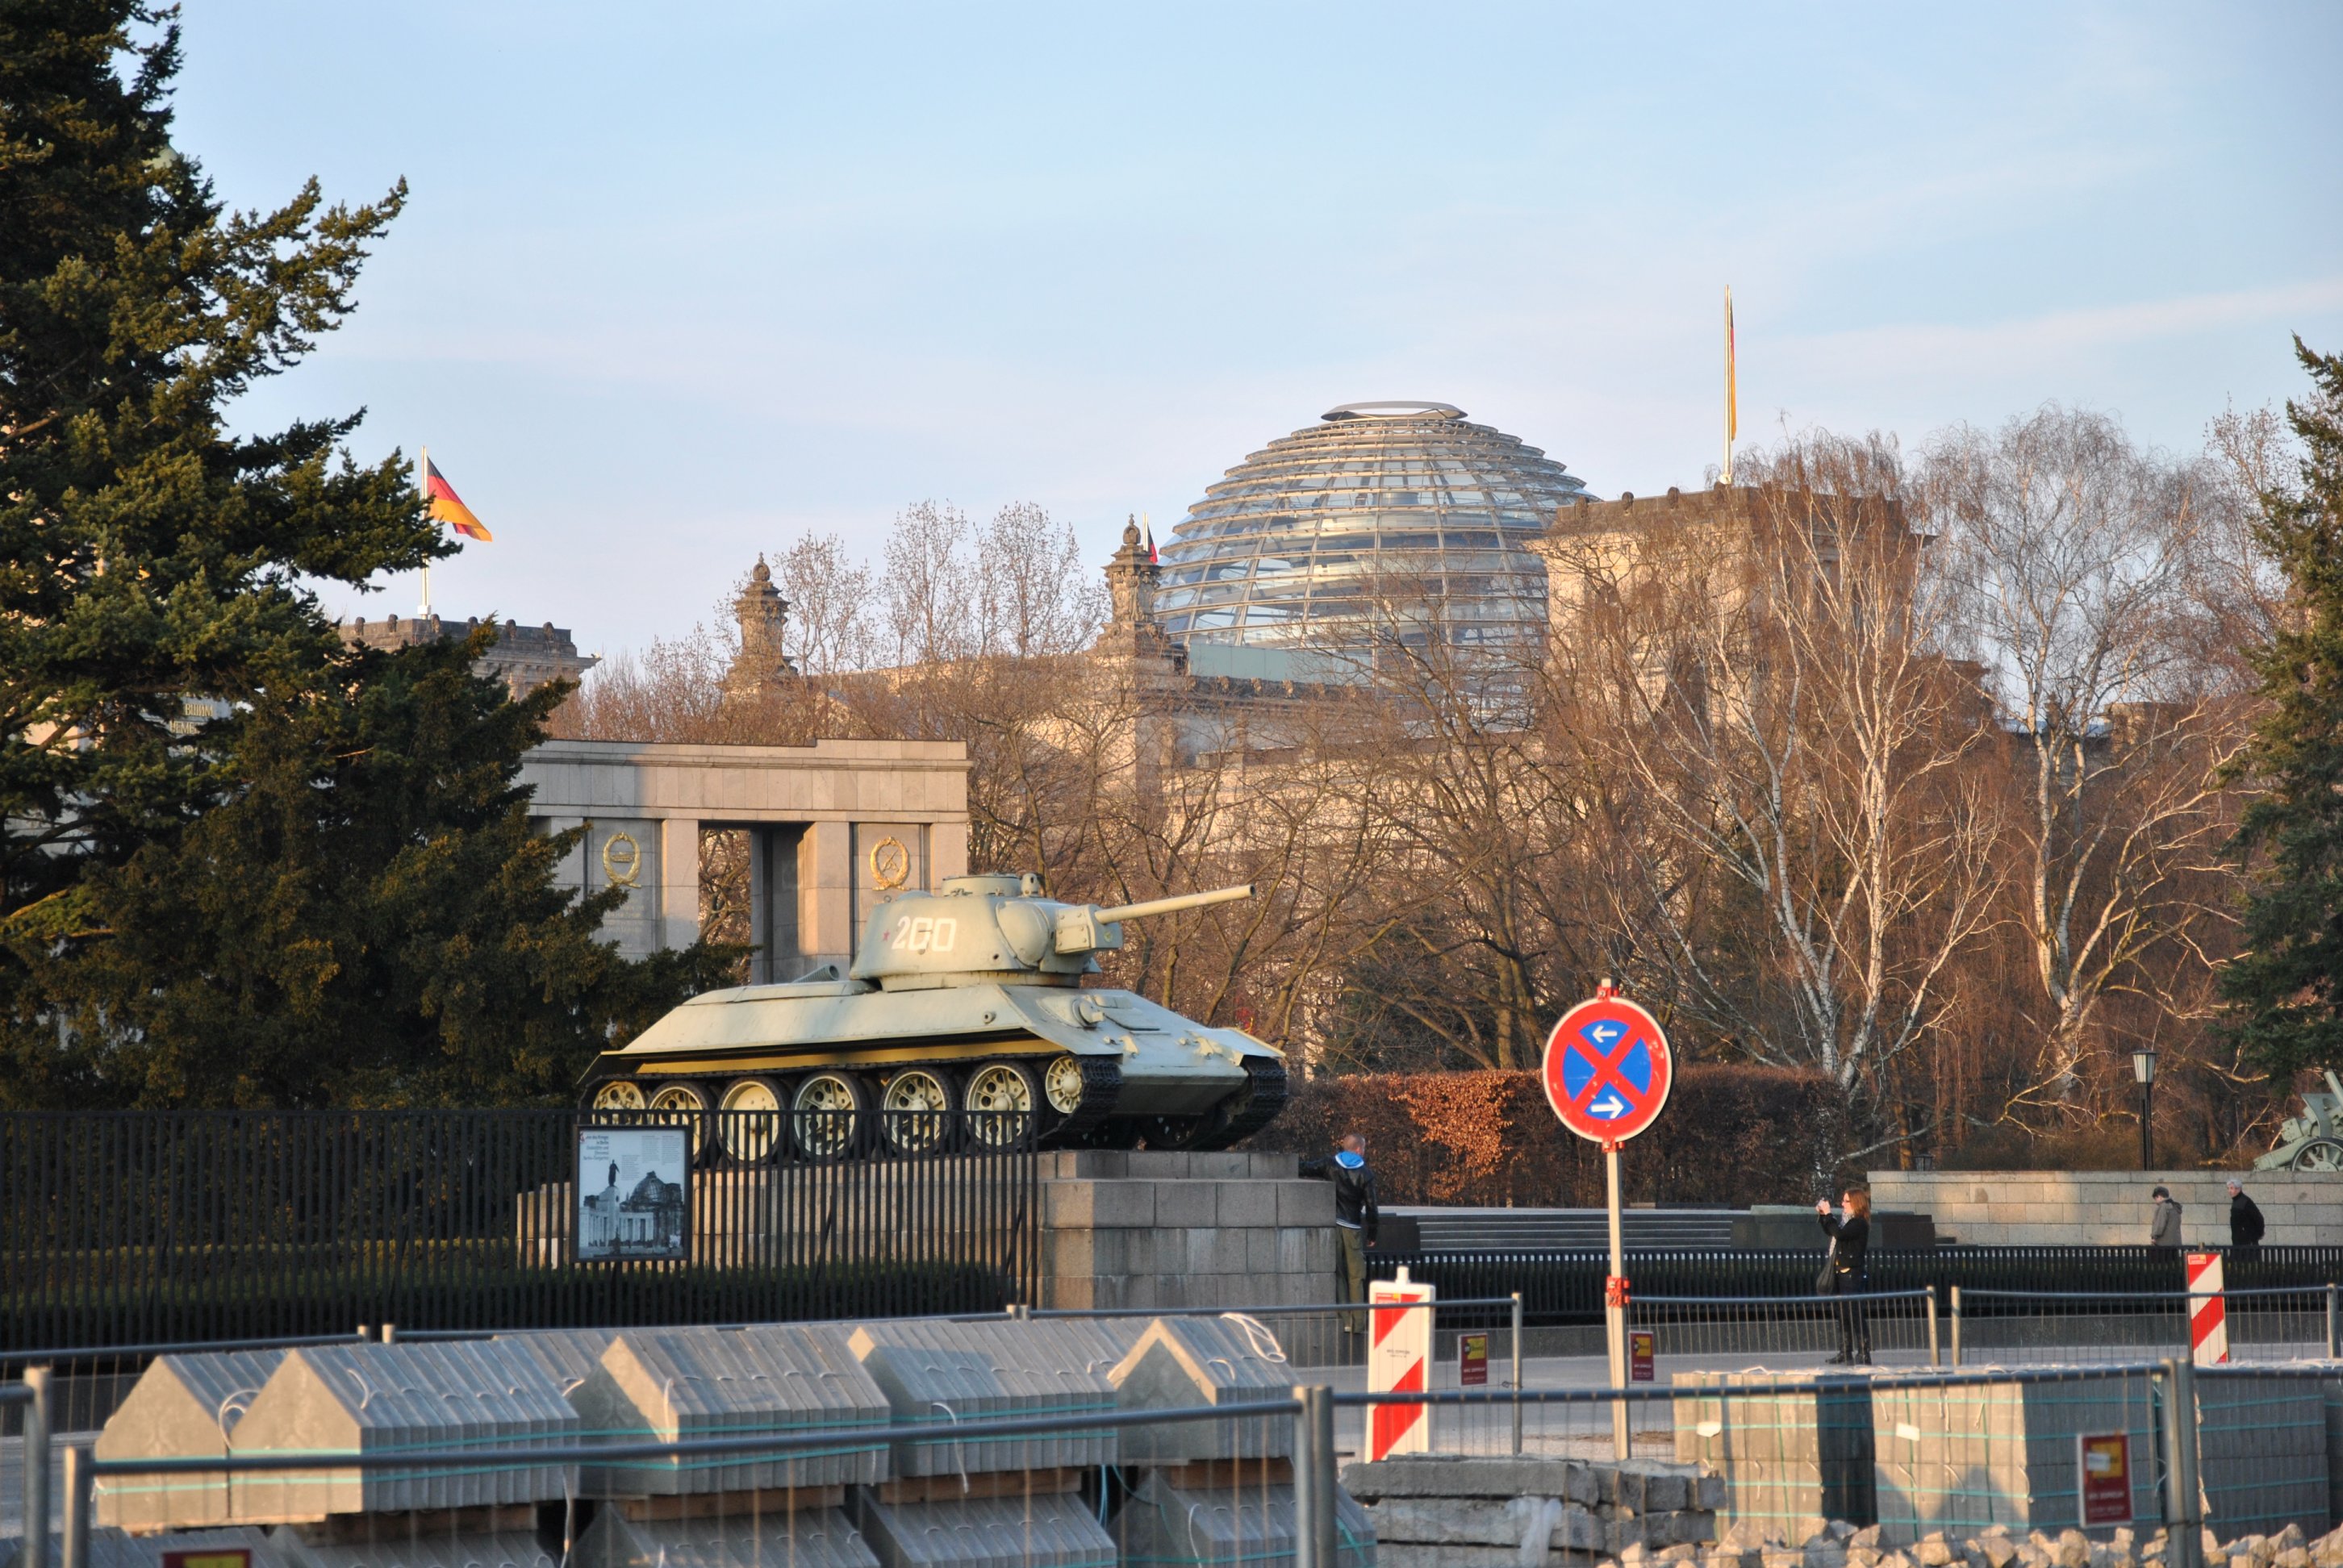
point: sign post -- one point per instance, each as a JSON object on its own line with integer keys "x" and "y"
{"x": 1606, "y": 1072}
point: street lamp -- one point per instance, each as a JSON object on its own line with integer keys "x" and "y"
{"x": 2143, "y": 1068}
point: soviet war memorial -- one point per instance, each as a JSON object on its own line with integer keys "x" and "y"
{"x": 943, "y": 889}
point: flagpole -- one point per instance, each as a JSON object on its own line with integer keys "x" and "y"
{"x": 423, "y": 484}
{"x": 1725, "y": 474}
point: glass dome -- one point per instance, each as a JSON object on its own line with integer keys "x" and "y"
{"x": 1300, "y": 545}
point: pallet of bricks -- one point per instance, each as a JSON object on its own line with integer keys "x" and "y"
{"x": 1159, "y": 1496}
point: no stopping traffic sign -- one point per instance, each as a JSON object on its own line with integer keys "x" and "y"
{"x": 1607, "y": 1070}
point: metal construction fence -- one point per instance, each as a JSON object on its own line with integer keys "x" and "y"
{"x": 138, "y": 1227}
{"x": 1565, "y": 1287}
{"x": 1912, "y": 1452}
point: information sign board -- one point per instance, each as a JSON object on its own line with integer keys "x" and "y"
{"x": 1607, "y": 1070}
{"x": 1641, "y": 1346}
{"x": 1472, "y": 1361}
{"x": 2104, "y": 1461}
{"x": 1399, "y": 1361}
{"x": 634, "y": 1194}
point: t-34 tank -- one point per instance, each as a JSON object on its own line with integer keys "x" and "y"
{"x": 967, "y": 998}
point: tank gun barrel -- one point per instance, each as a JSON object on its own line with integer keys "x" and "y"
{"x": 1172, "y": 906}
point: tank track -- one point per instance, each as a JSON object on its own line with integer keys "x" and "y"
{"x": 1101, "y": 1086}
{"x": 1264, "y": 1097}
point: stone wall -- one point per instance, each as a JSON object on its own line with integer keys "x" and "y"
{"x": 2110, "y": 1208}
{"x": 1150, "y": 1229}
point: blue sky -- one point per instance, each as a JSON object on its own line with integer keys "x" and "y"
{"x": 680, "y": 282}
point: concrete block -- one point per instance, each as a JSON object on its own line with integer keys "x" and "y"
{"x": 1306, "y": 1203}
{"x": 1472, "y": 1475}
{"x": 1246, "y": 1202}
{"x": 1260, "y": 1251}
{"x": 1232, "y": 1251}
{"x": 1222, "y": 1166}
{"x": 1186, "y": 1203}
{"x": 1483, "y": 1522}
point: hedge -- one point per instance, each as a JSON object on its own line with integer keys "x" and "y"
{"x": 1731, "y": 1136}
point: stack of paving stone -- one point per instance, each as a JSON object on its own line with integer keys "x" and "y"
{"x": 675, "y": 1385}
{"x": 991, "y": 1503}
{"x": 1218, "y": 1491}
{"x": 182, "y": 1406}
{"x": 1792, "y": 1461}
{"x": 1516, "y": 1510}
{"x": 1956, "y": 1460}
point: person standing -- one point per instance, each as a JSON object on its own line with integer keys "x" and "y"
{"x": 2164, "y": 1221}
{"x": 1356, "y": 1218}
{"x": 1845, "y": 1274}
{"x": 2245, "y": 1222}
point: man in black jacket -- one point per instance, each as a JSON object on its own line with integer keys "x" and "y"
{"x": 1356, "y": 1218}
{"x": 2245, "y": 1222}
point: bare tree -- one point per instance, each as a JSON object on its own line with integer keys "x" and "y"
{"x": 831, "y": 628}
{"x": 2074, "y": 559}
{"x": 1797, "y": 842}
{"x": 1036, "y": 594}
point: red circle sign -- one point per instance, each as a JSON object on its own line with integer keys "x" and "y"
{"x": 1607, "y": 1070}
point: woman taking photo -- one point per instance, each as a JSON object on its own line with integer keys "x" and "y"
{"x": 1844, "y": 1275}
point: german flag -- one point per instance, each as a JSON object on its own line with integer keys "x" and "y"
{"x": 444, "y": 504}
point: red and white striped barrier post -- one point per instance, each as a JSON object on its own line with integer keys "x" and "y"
{"x": 1399, "y": 1361}
{"x": 2208, "y": 1319}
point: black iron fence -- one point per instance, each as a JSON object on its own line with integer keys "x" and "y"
{"x": 146, "y": 1227}
{"x": 1565, "y": 1287}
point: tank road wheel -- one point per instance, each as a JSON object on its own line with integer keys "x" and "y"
{"x": 2319, "y": 1154}
{"x": 1000, "y": 1097}
{"x": 915, "y": 1113}
{"x": 748, "y": 1120}
{"x": 619, "y": 1095}
{"x": 683, "y": 1105}
{"x": 827, "y": 1115}
{"x": 1062, "y": 1084}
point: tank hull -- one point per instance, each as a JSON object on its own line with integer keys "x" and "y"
{"x": 1145, "y": 1073}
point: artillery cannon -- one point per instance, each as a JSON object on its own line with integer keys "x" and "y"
{"x": 968, "y": 999}
{"x": 2314, "y": 1140}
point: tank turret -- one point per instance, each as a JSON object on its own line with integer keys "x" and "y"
{"x": 1000, "y": 931}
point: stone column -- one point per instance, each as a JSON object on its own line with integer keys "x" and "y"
{"x": 679, "y": 881}
{"x": 826, "y": 893}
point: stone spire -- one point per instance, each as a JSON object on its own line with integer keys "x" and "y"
{"x": 763, "y": 614}
{"x": 1130, "y": 586}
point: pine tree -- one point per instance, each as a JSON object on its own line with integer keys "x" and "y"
{"x": 2286, "y": 988}
{"x": 240, "y": 863}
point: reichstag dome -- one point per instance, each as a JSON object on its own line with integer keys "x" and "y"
{"x": 1287, "y": 551}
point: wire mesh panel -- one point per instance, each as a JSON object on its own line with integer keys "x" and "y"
{"x": 1889, "y": 1327}
{"x": 2034, "y": 1328}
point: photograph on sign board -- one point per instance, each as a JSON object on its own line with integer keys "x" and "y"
{"x": 632, "y": 1192}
